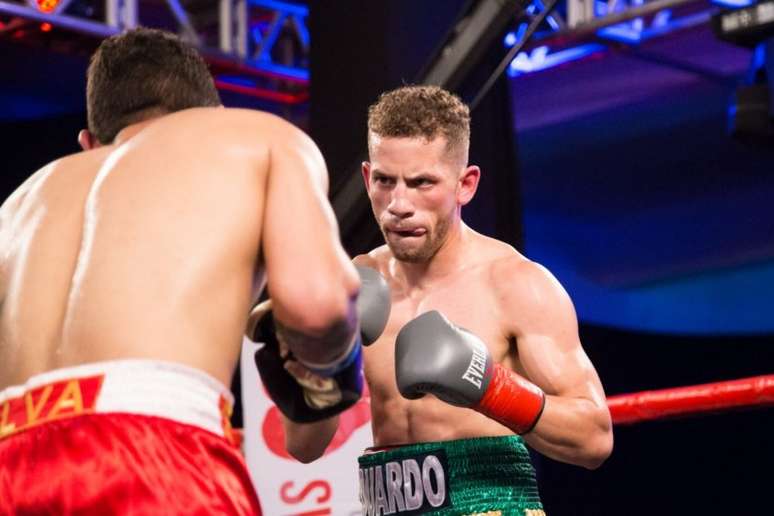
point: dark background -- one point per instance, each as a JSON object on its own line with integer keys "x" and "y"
{"x": 616, "y": 172}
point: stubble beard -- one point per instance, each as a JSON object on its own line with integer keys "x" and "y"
{"x": 424, "y": 253}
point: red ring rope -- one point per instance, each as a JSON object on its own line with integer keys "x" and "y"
{"x": 757, "y": 391}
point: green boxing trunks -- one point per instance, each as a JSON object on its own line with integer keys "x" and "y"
{"x": 487, "y": 476}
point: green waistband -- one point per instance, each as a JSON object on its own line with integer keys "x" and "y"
{"x": 484, "y": 474}
{"x": 505, "y": 449}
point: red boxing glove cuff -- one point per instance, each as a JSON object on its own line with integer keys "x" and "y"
{"x": 512, "y": 401}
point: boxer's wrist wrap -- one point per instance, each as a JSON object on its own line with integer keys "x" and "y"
{"x": 337, "y": 365}
{"x": 512, "y": 400}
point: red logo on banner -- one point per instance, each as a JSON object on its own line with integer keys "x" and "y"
{"x": 349, "y": 421}
{"x": 323, "y": 497}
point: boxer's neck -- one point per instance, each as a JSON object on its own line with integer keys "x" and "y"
{"x": 131, "y": 130}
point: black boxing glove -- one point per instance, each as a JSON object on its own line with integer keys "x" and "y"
{"x": 307, "y": 392}
{"x": 301, "y": 394}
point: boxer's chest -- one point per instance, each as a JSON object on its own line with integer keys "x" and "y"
{"x": 470, "y": 303}
{"x": 472, "y": 306}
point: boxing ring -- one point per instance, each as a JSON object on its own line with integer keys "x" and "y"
{"x": 753, "y": 392}
{"x": 329, "y": 486}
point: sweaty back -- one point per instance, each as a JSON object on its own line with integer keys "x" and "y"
{"x": 145, "y": 249}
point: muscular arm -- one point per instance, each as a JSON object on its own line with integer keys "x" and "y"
{"x": 575, "y": 426}
{"x": 307, "y": 442}
{"x": 312, "y": 283}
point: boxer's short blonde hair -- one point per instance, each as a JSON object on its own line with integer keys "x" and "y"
{"x": 422, "y": 112}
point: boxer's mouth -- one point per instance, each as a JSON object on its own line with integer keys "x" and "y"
{"x": 407, "y": 232}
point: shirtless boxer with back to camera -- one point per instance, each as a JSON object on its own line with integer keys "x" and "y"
{"x": 474, "y": 325}
{"x": 127, "y": 274}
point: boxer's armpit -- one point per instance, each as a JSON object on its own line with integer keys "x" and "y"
{"x": 321, "y": 348}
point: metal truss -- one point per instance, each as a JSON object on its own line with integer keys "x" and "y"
{"x": 255, "y": 47}
{"x": 261, "y": 47}
{"x": 566, "y": 33}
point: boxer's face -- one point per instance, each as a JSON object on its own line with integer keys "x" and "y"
{"x": 416, "y": 189}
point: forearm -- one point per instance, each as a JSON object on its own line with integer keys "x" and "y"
{"x": 324, "y": 345}
{"x": 307, "y": 441}
{"x": 573, "y": 430}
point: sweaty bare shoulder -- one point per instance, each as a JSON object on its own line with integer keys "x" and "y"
{"x": 376, "y": 259}
{"x": 262, "y": 138}
{"x": 529, "y": 295}
{"x": 491, "y": 249}
{"x": 285, "y": 142}
{"x": 290, "y": 139}
{"x": 515, "y": 275}
{"x": 13, "y": 207}
{"x": 9, "y": 212}
{"x": 11, "y": 204}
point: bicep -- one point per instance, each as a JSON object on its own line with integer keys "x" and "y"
{"x": 560, "y": 368}
{"x": 549, "y": 347}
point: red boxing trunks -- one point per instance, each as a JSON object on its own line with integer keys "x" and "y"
{"x": 123, "y": 437}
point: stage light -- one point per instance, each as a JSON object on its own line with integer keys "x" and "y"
{"x": 751, "y": 111}
{"x": 47, "y": 6}
{"x": 510, "y": 39}
{"x": 747, "y": 26}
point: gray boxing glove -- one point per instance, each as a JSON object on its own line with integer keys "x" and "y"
{"x": 433, "y": 356}
{"x": 373, "y": 304}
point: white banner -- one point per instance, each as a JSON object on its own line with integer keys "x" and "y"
{"x": 328, "y": 486}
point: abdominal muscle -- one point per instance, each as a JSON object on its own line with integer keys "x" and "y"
{"x": 399, "y": 421}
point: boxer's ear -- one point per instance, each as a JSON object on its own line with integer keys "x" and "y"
{"x": 468, "y": 184}
{"x": 87, "y": 141}
{"x": 365, "y": 170}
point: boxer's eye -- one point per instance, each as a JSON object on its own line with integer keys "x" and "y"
{"x": 383, "y": 180}
{"x": 420, "y": 182}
